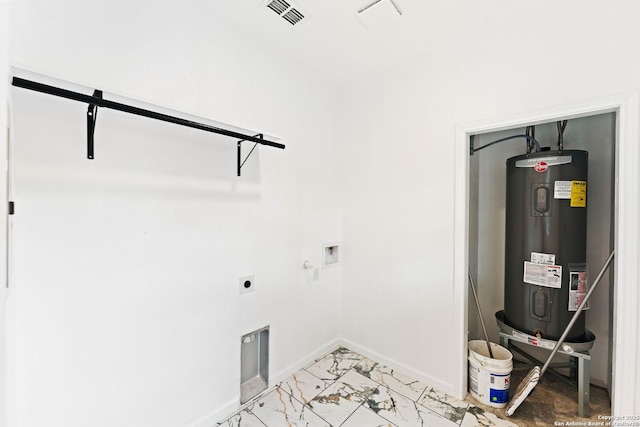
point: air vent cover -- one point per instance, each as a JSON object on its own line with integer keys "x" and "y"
{"x": 278, "y": 6}
{"x": 287, "y": 10}
{"x": 293, "y": 16}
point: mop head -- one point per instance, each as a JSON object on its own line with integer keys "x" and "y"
{"x": 524, "y": 389}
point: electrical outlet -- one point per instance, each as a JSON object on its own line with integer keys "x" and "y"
{"x": 247, "y": 284}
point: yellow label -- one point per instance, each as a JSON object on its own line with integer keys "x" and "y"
{"x": 578, "y": 194}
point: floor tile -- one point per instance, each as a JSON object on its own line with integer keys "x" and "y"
{"x": 359, "y": 391}
{"x": 342, "y": 398}
{"x": 335, "y": 364}
{"x": 443, "y": 404}
{"x": 476, "y": 417}
{"x": 364, "y": 417}
{"x": 428, "y": 418}
{"x": 396, "y": 381}
{"x": 303, "y": 386}
{"x": 404, "y": 412}
{"x": 278, "y": 408}
{"x": 242, "y": 419}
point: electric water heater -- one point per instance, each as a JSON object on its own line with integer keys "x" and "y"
{"x": 545, "y": 242}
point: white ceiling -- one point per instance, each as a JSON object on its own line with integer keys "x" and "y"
{"x": 337, "y": 44}
{"x": 335, "y": 41}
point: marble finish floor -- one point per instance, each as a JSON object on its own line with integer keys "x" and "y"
{"x": 552, "y": 402}
{"x": 347, "y": 389}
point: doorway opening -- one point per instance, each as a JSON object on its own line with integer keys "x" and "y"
{"x": 620, "y": 229}
{"x": 488, "y": 246}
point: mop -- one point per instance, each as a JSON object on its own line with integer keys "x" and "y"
{"x": 531, "y": 380}
{"x": 484, "y": 329}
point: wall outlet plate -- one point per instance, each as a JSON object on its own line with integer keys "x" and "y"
{"x": 247, "y": 284}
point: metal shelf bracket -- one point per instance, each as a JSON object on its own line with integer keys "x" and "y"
{"x": 241, "y": 163}
{"x": 92, "y": 115}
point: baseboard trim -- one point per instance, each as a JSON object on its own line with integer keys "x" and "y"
{"x": 304, "y": 362}
{"x": 224, "y": 411}
{"x": 393, "y": 364}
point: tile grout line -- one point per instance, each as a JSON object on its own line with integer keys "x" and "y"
{"x": 358, "y": 365}
{"x": 415, "y": 401}
{"x": 305, "y": 405}
{"x": 376, "y": 364}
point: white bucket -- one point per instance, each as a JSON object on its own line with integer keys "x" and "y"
{"x": 489, "y": 378}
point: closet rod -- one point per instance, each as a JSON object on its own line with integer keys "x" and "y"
{"x": 100, "y": 102}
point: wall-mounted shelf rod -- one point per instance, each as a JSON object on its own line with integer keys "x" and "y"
{"x": 96, "y": 100}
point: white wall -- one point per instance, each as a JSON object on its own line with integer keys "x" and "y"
{"x": 399, "y": 184}
{"x": 126, "y": 267}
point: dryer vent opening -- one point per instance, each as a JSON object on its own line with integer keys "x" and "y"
{"x": 254, "y": 364}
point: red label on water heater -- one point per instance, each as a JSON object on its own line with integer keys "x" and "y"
{"x": 541, "y": 166}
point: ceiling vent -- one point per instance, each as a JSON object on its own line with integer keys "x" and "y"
{"x": 286, "y": 10}
{"x": 380, "y": 14}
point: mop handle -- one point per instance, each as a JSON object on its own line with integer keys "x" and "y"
{"x": 577, "y": 313}
{"x": 484, "y": 329}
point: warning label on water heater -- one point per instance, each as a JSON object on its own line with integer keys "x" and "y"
{"x": 539, "y": 258}
{"x": 578, "y": 194}
{"x": 542, "y": 274}
{"x": 562, "y": 190}
{"x": 578, "y": 286}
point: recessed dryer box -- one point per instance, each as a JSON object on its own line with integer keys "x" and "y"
{"x": 254, "y": 364}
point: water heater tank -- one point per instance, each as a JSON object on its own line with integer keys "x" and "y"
{"x": 545, "y": 242}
